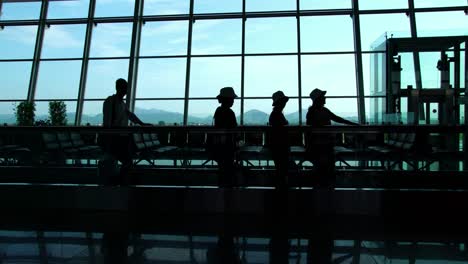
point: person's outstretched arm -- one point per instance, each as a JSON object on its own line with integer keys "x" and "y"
{"x": 134, "y": 119}
{"x": 338, "y": 119}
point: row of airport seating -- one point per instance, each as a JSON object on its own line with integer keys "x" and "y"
{"x": 14, "y": 154}
{"x": 183, "y": 147}
{"x": 64, "y": 145}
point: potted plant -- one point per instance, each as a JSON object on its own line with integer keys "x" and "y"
{"x": 58, "y": 113}
{"x": 24, "y": 113}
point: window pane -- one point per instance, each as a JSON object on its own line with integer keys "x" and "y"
{"x": 326, "y": 33}
{"x": 448, "y": 24}
{"x": 164, "y": 38}
{"x": 158, "y": 7}
{"x": 161, "y": 78}
{"x": 373, "y": 66}
{"x": 430, "y": 75}
{"x": 20, "y": 11}
{"x": 333, "y": 73}
{"x": 42, "y": 111}
{"x": 257, "y": 111}
{"x": 217, "y": 37}
{"x": 58, "y": 80}
{"x": 162, "y": 112}
{"x": 92, "y": 113}
{"x": 408, "y": 76}
{"x": 111, "y": 40}
{"x": 265, "y": 75}
{"x": 375, "y": 110}
{"x": 15, "y": 79}
{"x": 271, "y": 35}
{"x": 114, "y": 8}
{"x": 382, "y": 4}
{"x": 438, "y": 3}
{"x": 209, "y": 75}
{"x": 102, "y": 75}
{"x": 17, "y": 42}
{"x": 269, "y": 5}
{"x": 375, "y": 28}
{"x": 7, "y": 113}
{"x": 320, "y": 4}
{"x": 201, "y": 112}
{"x": 68, "y": 9}
{"x": 64, "y": 41}
{"x": 216, "y": 6}
{"x": 342, "y": 107}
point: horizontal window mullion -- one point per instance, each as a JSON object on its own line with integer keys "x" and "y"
{"x": 67, "y": 21}
{"x": 61, "y": 59}
{"x": 109, "y": 58}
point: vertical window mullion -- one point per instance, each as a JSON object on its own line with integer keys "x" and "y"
{"x": 85, "y": 62}
{"x": 244, "y": 18}
{"x": 414, "y": 34}
{"x": 189, "y": 61}
{"x": 134, "y": 53}
{"x": 37, "y": 51}
{"x": 299, "y": 67}
{"x": 358, "y": 61}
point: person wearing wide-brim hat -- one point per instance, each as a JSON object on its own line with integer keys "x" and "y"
{"x": 224, "y": 145}
{"x": 278, "y": 141}
{"x": 224, "y": 117}
{"x": 320, "y": 147}
{"x": 226, "y": 93}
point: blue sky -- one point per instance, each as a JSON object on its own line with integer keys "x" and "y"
{"x": 166, "y": 77}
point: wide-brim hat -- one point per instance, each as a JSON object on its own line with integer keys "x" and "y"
{"x": 279, "y": 97}
{"x": 316, "y": 93}
{"x": 227, "y": 92}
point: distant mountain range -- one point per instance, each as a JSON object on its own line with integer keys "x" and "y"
{"x": 155, "y": 116}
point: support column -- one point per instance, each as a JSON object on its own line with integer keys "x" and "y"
{"x": 457, "y": 83}
{"x": 358, "y": 63}
{"x": 37, "y": 51}
{"x": 134, "y": 54}
{"x": 465, "y": 138}
{"x": 85, "y": 63}
{"x": 189, "y": 61}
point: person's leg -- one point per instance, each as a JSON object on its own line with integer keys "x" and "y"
{"x": 124, "y": 155}
{"x": 281, "y": 160}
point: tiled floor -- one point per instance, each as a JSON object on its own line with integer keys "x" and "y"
{"x": 72, "y": 247}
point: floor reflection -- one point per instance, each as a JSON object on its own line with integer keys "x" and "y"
{"x": 72, "y": 247}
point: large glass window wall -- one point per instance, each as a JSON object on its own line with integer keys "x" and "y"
{"x": 181, "y": 60}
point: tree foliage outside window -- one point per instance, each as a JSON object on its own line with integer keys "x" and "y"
{"x": 58, "y": 113}
{"x": 24, "y": 113}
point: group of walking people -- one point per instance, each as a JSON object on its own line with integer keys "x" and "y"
{"x": 319, "y": 147}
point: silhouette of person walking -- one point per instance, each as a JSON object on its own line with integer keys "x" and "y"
{"x": 280, "y": 150}
{"x": 279, "y": 144}
{"x": 224, "y": 118}
{"x": 320, "y": 147}
{"x": 116, "y": 114}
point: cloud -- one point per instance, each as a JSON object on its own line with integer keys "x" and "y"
{"x": 21, "y": 34}
{"x": 166, "y": 7}
{"x": 60, "y": 37}
{"x": 111, "y": 40}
